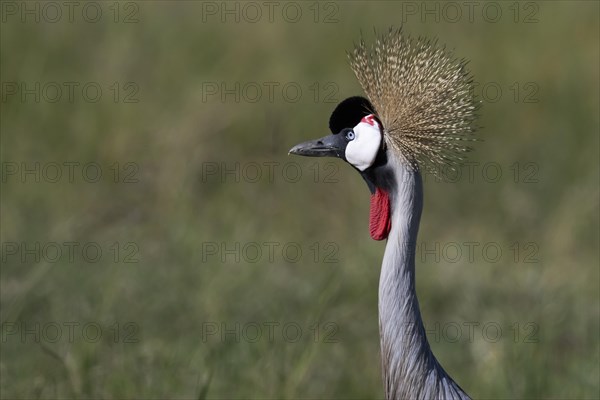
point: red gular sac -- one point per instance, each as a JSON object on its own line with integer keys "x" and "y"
{"x": 380, "y": 221}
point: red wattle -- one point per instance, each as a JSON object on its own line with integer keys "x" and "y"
{"x": 380, "y": 221}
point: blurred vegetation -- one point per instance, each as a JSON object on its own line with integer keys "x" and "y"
{"x": 174, "y": 54}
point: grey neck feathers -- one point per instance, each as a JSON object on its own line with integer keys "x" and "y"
{"x": 410, "y": 369}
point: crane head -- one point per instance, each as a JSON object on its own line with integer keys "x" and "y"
{"x": 357, "y": 138}
{"x": 356, "y": 135}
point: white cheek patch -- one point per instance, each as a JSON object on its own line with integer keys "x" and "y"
{"x": 361, "y": 151}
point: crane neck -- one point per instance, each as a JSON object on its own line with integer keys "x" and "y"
{"x": 409, "y": 367}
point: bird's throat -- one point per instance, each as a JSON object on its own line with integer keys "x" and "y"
{"x": 380, "y": 221}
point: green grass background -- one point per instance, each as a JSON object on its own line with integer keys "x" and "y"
{"x": 172, "y": 132}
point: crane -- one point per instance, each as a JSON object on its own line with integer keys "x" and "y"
{"x": 418, "y": 114}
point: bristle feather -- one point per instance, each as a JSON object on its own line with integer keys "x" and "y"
{"x": 422, "y": 95}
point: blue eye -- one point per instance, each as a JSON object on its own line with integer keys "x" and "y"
{"x": 350, "y": 135}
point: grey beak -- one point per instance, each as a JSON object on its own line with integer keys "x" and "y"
{"x": 328, "y": 146}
